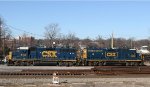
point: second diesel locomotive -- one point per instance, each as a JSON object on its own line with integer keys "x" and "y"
{"x": 74, "y": 57}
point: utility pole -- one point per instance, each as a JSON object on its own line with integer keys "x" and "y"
{"x": 0, "y": 33}
{"x": 1, "y": 50}
{"x": 112, "y": 41}
{"x": 4, "y": 45}
{"x": 131, "y": 43}
{"x": 2, "y": 40}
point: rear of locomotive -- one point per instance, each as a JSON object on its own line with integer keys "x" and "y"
{"x": 19, "y": 56}
{"x": 24, "y": 56}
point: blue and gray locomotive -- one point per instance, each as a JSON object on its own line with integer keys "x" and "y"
{"x": 35, "y": 55}
{"x": 99, "y": 56}
{"x": 74, "y": 57}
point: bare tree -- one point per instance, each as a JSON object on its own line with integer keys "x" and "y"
{"x": 101, "y": 41}
{"x": 23, "y": 40}
{"x": 5, "y": 34}
{"x": 5, "y": 31}
{"x": 51, "y": 33}
{"x": 87, "y": 42}
{"x": 26, "y": 40}
{"x": 120, "y": 43}
{"x": 71, "y": 40}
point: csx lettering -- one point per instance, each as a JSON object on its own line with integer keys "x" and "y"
{"x": 49, "y": 54}
{"x": 111, "y": 54}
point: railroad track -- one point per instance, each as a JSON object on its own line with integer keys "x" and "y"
{"x": 121, "y": 70}
{"x": 97, "y": 70}
{"x": 49, "y": 72}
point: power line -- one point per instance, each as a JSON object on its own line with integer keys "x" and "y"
{"x": 25, "y": 31}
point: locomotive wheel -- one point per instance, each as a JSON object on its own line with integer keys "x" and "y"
{"x": 67, "y": 64}
{"x": 28, "y": 64}
{"x": 132, "y": 64}
{"x": 31, "y": 63}
{"x": 10, "y": 63}
{"x": 100, "y": 64}
{"x": 136, "y": 64}
{"x": 104, "y": 63}
{"x": 60, "y": 64}
{"x": 63, "y": 64}
{"x": 89, "y": 63}
{"x": 16, "y": 63}
{"x": 96, "y": 63}
{"x": 71, "y": 64}
{"x": 82, "y": 64}
{"x": 141, "y": 64}
{"x": 22, "y": 64}
{"x": 128, "y": 64}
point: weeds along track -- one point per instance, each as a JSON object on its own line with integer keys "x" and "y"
{"x": 97, "y": 70}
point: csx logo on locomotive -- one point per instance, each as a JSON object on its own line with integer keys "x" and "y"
{"x": 111, "y": 54}
{"x": 51, "y": 54}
